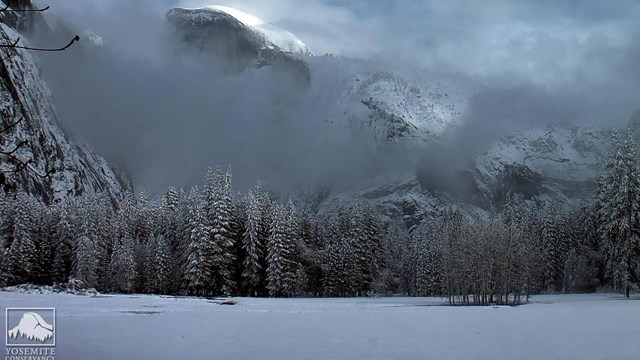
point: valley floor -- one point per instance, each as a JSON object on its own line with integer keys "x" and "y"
{"x": 595, "y": 326}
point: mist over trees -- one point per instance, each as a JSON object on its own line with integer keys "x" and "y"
{"x": 211, "y": 242}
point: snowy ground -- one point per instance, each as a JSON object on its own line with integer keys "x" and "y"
{"x": 597, "y": 326}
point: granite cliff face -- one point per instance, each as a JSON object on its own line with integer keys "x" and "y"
{"x": 25, "y": 100}
{"x": 237, "y": 40}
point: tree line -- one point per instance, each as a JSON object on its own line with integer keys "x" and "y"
{"x": 204, "y": 242}
{"x": 210, "y": 242}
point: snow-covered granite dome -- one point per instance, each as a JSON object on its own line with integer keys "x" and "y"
{"x": 266, "y": 35}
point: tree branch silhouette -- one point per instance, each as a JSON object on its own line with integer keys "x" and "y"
{"x": 15, "y": 45}
{"x": 11, "y": 126}
{"x": 6, "y": 8}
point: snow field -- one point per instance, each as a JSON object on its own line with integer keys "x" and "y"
{"x": 581, "y": 327}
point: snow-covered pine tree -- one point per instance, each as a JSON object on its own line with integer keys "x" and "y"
{"x": 238, "y": 222}
{"x": 21, "y": 255}
{"x": 218, "y": 196}
{"x": 197, "y": 274}
{"x": 363, "y": 236}
{"x": 253, "y": 245}
{"x": 619, "y": 212}
{"x": 553, "y": 254}
{"x": 172, "y": 199}
{"x": 102, "y": 216}
{"x": 312, "y": 251}
{"x": 122, "y": 269}
{"x": 43, "y": 234}
{"x": 266, "y": 208}
{"x": 85, "y": 259}
{"x": 182, "y": 241}
{"x": 341, "y": 275}
{"x": 142, "y": 223}
{"x": 63, "y": 244}
{"x": 7, "y": 217}
{"x": 162, "y": 265}
{"x": 282, "y": 269}
{"x": 428, "y": 276}
{"x": 169, "y": 229}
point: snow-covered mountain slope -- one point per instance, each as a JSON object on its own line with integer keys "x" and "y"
{"x": 405, "y": 109}
{"x": 237, "y": 40}
{"x": 273, "y": 36}
{"x": 26, "y": 98}
{"x": 563, "y": 152}
{"x": 392, "y": 106}
{"x": 559, "y": 164}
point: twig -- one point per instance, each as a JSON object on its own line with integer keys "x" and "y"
{"x": 16, "y": 46}
{"x": 12, "y": 125}
{"x": 22, "y": 165}
{"x": 10, "y": 153}
{"x": 6, "y": 8}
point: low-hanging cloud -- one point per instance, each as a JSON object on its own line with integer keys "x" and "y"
{"x": 166, "y": 118}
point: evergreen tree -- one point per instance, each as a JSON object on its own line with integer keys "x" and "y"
{"x": 218, "y": 195}
{"x": 253, "y": 245}
{"x": 122, "y": 269}
{"x": 44, "y": 228}
{"x": 198, "y": 267}
{"x": 85, "y": 260}
{"x": 20, "y": 259}
{"x": 282, "y": 268}
{"x": 553, "y": 250}
{"x": 162, "y": 265}
{"x": 63, "y": 245}
{"x": 619, "y": 212}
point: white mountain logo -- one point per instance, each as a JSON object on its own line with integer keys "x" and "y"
{"x": 33, "y": 327}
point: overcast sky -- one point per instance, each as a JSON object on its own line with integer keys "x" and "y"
{"x": 546, "y": 41}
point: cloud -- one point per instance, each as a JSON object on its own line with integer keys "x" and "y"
{"x": 166, "y": 120}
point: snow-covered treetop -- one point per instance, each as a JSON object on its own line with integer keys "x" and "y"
{"x": 274, "y": 36}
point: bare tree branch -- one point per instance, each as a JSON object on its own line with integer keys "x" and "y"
{"x": 25, "y": 165}
{"x": 10, "y": 153}
{"x": 11, "y": 126}
{"x": 15, "y": 45}
{"x": 6, "y": 8}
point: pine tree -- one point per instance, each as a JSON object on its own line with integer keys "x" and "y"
{"x": 169, "y": 229}
{"x": 619, "y": 211}
{"x": 253, "y": 245}
{"x": 63, "y": 245}
{"x": 282, "y": 268}
{"x": 428, "y": 277}
{"x": 218, "y": 195}
{"x": 122, "y": 268}
{"x": 341, "y": 276}
{"x": 43, "y": 233}
{"x": 198, "y": 267}
{"x": 162, "y": 265}
{"x": 552, "y": 248}
{"x": 20, "y": 259}
{"x": 102, "y": 219}
{"x": 182, "y": 241}
{"x": 85, "y": 260}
